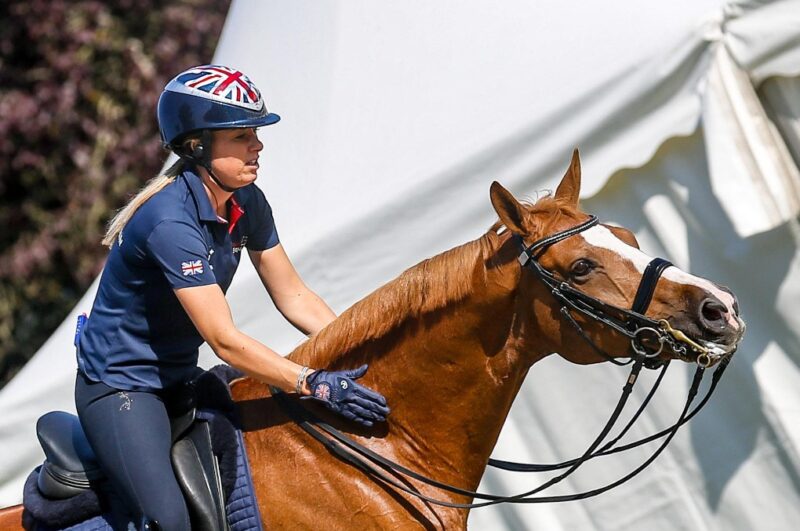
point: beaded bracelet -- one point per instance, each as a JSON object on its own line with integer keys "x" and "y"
{"x": 301, "y": 378}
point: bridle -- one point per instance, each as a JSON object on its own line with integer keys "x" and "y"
{"x": 643, "y": 333}
{"x": 641, "y": 330}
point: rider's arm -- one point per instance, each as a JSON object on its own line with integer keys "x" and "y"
{"x": 209, "y": 311}
{"x": 298, "y": 304}
{"x": 211, "y": 315}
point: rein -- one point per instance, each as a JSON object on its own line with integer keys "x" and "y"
{"x": 394, "y": 475}
{"x": 642, "y": 331}
{"x": 632, "y": 324}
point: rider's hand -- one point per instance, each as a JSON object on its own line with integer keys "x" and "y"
{"x": 340, "y": 392}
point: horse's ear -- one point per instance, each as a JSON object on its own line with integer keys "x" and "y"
{"x": 570, "y": 188}
{"x": 511, "y": 212}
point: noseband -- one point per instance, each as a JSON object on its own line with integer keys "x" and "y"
{"x": 647, "y": 336}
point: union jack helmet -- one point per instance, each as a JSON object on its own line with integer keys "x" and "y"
{"x": 209, "y": 97}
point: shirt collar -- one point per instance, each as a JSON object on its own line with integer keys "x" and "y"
{"x": 204, "y": 208}
{"x": 198, "y": 191}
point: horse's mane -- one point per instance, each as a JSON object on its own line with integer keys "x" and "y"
{"x": 426, "y": 287}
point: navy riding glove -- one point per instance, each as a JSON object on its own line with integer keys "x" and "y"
{"x": 340, "y": 393}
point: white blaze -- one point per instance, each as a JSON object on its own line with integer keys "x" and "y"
{"x": 600, "y": 236}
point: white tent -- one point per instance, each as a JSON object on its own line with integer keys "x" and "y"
{"x": 397, "y": 117}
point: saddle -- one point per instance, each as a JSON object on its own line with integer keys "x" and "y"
{"x": 70, "y": 467}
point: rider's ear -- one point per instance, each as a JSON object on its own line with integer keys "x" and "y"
{"x": 570, "y": 188}
{"x": 511, "y": 212}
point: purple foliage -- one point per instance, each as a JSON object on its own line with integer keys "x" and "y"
{"x": 79, "y": 80}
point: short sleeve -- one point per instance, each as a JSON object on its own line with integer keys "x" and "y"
{"x": 182, "y": 254}
{"x": 263, "y": 233}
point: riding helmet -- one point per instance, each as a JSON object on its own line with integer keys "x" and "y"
{"x": 209, "y": 97}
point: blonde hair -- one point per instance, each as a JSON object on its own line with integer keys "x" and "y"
{"x": 152, "y": 187}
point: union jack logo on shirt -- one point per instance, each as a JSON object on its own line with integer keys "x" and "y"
{"x": 192, "y": 267}
{"x": 219, "y": 83}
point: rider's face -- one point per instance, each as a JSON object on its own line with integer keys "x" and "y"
{"x": 234, "y": 156}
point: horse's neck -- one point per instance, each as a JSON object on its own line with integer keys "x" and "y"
{"x": 451, "y": 376}
{"x": 449, "y": 367}
{"x": 450, "y": 396}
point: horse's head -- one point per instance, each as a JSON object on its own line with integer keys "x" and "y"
{"x": 687, "y": 317}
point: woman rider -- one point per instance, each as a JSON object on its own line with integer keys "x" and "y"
{"x": 174, "y": 250}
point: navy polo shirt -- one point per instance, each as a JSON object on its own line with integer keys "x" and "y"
{"x": 138, "y": 336}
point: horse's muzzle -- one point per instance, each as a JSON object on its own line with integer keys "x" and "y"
{"x": 721, "y": 329}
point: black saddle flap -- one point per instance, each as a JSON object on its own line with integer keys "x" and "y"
{"x": 197, "y": 471}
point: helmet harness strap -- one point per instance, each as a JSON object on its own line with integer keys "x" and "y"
{"x": 201, "y": 155}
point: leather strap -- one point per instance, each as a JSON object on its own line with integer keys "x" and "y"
{"x": 647, "y": 286}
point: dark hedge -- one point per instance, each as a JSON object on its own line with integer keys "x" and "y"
{"x": 79, "y": 81}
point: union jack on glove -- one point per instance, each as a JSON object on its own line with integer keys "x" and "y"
{"x": 339, "y": 391}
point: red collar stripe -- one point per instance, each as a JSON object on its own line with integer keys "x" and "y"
{"x": 236, "y": 212}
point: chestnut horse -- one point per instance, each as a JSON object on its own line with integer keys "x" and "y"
{"x": 449, "y": 343}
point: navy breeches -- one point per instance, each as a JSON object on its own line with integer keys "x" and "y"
{"x": 130, "y": 434}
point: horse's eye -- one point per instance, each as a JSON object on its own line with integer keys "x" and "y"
{"x": 581, "y": 267}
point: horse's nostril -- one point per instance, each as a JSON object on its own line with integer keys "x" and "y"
{"x": 713, "y": 311}
{"x": 713, "y": 315}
